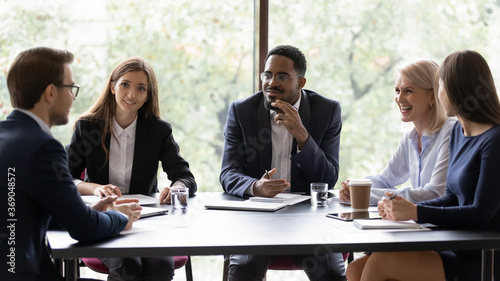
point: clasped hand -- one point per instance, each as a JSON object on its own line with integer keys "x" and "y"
{"x": 129, "y": 207}
{"x": 397, "y": 208}
{"x": 267, "y": 187}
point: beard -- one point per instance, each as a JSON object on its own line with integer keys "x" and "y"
{"x": 268, "y": 106}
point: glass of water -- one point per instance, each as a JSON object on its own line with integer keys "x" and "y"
{"x": 180, "y": 196}
{"x": 319, "y": 193}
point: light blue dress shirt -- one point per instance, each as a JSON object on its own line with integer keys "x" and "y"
{"x": 426, "y": 170}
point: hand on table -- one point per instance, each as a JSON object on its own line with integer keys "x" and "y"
{"x": 397, "y": 208}
{"x": 107, "y": 190}
{"x": 267, "y": 187}
{"x": 165, "y": 196}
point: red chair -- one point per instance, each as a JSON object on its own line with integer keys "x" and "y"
{"x": 179, "y": 261}
{"x": 280, "y": 263}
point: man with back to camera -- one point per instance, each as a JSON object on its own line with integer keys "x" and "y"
{"x": 35, "y": 183}
{"x": 295, "y": 134}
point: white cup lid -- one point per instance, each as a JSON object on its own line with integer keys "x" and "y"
{"x": 360, "y": 182}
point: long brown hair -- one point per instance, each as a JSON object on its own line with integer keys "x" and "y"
{"x": 471, "y": 90}
{"x": 105, "y": 106}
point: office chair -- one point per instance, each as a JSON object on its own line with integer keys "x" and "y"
{"x": 179, "y": 261}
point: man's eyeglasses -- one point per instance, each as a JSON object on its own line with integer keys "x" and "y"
{"x": 280, "y": 78}
{"x": 73, "y": 87}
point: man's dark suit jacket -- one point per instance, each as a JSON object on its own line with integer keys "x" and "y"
{"x": 248, "y": 146}
{"x": 34, "y": 173}
{"x": 154, "y": 142}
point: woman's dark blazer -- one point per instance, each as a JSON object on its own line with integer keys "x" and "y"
{"x": 154, "y": 142}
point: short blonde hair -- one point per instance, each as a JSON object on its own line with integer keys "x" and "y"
{"x": 424, "y": 74}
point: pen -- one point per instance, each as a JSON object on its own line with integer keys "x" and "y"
{"x": 267, "y": 174}
{"x": 392, "y": 196}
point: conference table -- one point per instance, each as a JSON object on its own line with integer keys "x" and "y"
{"x": 294, "y": 230}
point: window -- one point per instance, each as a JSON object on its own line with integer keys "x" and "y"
{"x": 202, "y": 53}
{"x": 352, "y": 48}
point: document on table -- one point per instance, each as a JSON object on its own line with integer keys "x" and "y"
{"x": 143, "y": 199}
{"x": 287, "y": 198}
{"x": 153, "y": 225}
{"x": 387, "y": 224}
{"x": 246, "y": 205}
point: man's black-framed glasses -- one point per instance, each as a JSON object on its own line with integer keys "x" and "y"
{"x": 74, "y": 88}
{"x": 280, "y": 78}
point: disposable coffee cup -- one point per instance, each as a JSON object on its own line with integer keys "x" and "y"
{"x": 360, "y": 194}
{"x": 180, "y": 196}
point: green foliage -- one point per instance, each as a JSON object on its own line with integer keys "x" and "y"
{"x": 20, "y": 29}
{"x": 353, "y": 48}
{"x": 202, "y": 53}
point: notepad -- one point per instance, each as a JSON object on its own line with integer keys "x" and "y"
{"x": 287, "y": 198}
{"x": 385, "y": 224}
{"x": 246, "y": 205}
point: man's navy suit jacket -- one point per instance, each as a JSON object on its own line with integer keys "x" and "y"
{"x": 34, "y": 173}
{"x": 154, "y": 142}
{"x": 248, "y": 146}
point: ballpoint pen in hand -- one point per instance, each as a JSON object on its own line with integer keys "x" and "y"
{"x": 392, "y": 196}
{"x": 267, "y": 174}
